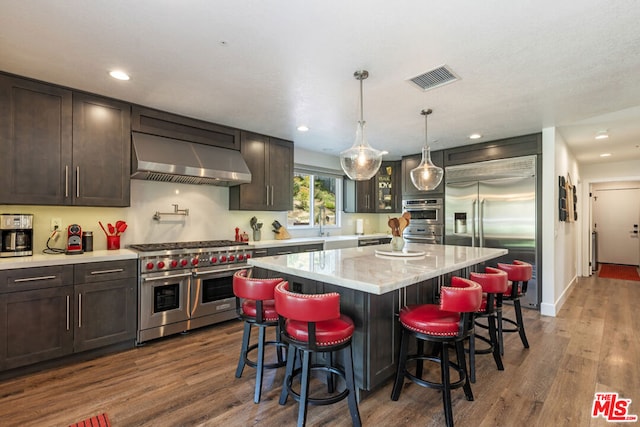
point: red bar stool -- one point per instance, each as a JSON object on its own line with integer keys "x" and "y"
{"x": 255, "y": 305}
{"x": 313, "y": 324}
{"x": 494, "y": 284}
{"x": 443, "y": 325}
{"x": 519, "y": 273}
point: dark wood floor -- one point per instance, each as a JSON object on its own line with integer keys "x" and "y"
{"x": 592, "y": 345}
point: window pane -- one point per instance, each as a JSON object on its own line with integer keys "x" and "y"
{"x": 301, "y": 214}
{"x": 325, "y": 195}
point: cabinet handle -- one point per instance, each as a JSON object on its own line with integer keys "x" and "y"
{"x": 68, "y": 298}
{"x": 266, "y": 187}
{"x": 272, "y": 195}
{"x": 115, "y": 270}
{"x": 79, "y": 310}
{"x": 34, "y": 279}
{"x": 66, "y": 181}
{"x": 78, "y": 181}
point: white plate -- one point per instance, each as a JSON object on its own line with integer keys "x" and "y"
{"x": 400, "y": 254}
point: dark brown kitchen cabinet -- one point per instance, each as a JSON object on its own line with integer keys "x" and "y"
{"x": 270, "y": 161}
{"x": 170, "y": 125}
{"x": 105, "y": 304}
{"x": 35, "y": 141}
{"x": 50, "y": 312}
{"x": 380, "y": 194}
{"x": 35, "y": 315}
{"x": 61, "y": 147}
{"x": 411, "y": 162}
{"x": 101, "y": 152}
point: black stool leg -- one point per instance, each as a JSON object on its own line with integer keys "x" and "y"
{"x": 463, "y": 366}
{"x": 246, "y": 335}
{"x": 330, "y": 377}
{"x": 419, "y": 362}
{"x": 500, "y": 333}
{"x": 260, "y": 365}
{"x": 472, "y": 357}
{"x": 351, "y": 398}
{"x": 291, "y": 360}
{"x": 495, "y": 345}
{"x": 304, "y": 388}
{"x": 402, "y": 362}
{"x": 518, "y": 309}
{"x": 446, "y": 385}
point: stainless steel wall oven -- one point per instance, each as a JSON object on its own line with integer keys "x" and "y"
{"x": 427, "y": 220}
{"x": 187, "y": 285}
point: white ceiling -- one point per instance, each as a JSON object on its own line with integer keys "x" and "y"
{"x": 269, "y": 66}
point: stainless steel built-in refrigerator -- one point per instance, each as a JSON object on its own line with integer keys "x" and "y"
{"x": 493, "y": 204}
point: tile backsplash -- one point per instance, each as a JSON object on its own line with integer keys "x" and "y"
{"x": 209, "y": 217}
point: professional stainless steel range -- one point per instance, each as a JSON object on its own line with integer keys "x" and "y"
{"x": 186, "y": 285}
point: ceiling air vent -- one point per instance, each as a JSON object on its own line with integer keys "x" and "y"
{"x": 437, "y": 77}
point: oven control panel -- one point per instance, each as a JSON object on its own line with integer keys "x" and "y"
{"x": 150, "y": 264}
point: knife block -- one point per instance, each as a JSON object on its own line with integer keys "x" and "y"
{"x": 282, "y": 234}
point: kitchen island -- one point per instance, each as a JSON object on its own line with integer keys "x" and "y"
{"x": 373, "y": 286}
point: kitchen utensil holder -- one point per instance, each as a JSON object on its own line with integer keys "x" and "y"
{"x": 113, "y": 242}
{"x": 183, "y": 212}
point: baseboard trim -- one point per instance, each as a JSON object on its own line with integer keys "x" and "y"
{"x": 552, "y": 309}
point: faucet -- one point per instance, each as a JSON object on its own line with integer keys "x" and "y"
{"x": 321, "y": 219}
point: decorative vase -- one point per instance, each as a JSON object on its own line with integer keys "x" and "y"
{"x": 397, "y": 243}
{"x": 257, "y": 234}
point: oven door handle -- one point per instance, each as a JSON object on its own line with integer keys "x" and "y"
{"x": 170, "y": 276}
{"x": 220, "y": 272}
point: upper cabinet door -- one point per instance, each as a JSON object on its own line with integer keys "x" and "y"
{"x": 270, "y": 161}
{"x": 35, "y": 142}
{"x": 387, "y": 191}
{"x": 101, "y": 151}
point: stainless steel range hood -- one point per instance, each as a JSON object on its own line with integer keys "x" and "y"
{"x": 157, "y": 158}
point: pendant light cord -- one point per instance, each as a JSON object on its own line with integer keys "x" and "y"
{"x": 426, "y": 113}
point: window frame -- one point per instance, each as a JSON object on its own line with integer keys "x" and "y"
{"x": 339, "y": 183}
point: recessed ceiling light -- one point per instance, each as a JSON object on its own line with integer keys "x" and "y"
{"x": 475, "y": 136}
{"x": 605, "y": 155}
{"x": 120, "y": 75}
{"x": 602, "y": 135}
{"x": 303, "y": 128}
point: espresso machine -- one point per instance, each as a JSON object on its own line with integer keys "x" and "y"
{"x": 17, "y": 235}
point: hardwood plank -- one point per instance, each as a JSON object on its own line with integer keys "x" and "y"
{"x": 189, "y": 380}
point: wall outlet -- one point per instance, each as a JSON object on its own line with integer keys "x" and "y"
{"x": 56, "y": 223}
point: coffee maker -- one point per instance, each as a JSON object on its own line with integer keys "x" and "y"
{"x": 17, "y": 235}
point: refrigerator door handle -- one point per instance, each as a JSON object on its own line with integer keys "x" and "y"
{"x": 473, "y": 223}
{"x": 481, "y": 222}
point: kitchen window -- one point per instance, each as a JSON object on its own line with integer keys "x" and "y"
{"x": 317, "y": 195}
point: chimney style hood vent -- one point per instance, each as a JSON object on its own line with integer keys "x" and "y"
{"x": 157, "y": 158}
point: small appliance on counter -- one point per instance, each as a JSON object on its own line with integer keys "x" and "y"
{"x": 74, "y": 240}
{"x": 17, "y": 235}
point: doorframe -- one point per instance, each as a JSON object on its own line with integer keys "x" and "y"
{"x": 587, "y": 214}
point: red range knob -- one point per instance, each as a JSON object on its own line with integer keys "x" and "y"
{"x": 223, "y": 258}
{"x": 174, "y": 263}
{"x": 194, "y": 261}
{"x": 231, "y": 258}
{"x": 240, "y": 257}
{"x": 149, "y": 266}
{"x": 248, "y": 256}
{"x": 214, "y": 260}
{"x": 184, "y": 262}
{"x": 161, "y": 264}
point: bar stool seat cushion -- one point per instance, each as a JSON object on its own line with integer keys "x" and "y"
{"x": 328, "y": 332}
{"x": 268, "y": 308}
{"x": 430, "y": 319}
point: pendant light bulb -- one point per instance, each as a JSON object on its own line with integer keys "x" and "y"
{"x": 361, "y": 162}
{"x": 426, "y": 176}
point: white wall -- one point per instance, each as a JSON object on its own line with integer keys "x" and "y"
{"x": 592, "y": 175}
{"x": 560, "y": 240}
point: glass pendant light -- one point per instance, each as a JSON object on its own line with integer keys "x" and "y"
{"x": 361, "y": 162}
{"x": 426, "y": 176}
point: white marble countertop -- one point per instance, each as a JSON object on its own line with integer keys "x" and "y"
{"x": 311, "y": 240}
{"x": 364, "y": 270}
{"x": 45, "y": 260}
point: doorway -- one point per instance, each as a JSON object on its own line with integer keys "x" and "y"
{"x": 616, "y": 219}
